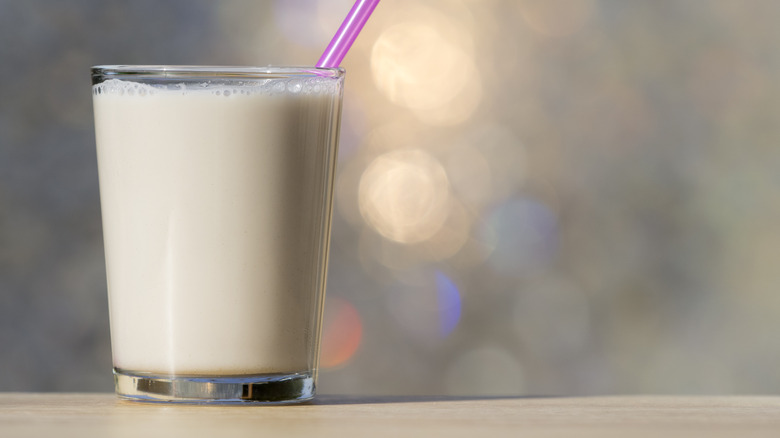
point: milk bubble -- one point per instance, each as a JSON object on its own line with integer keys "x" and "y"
{"x": 309, "y": 86}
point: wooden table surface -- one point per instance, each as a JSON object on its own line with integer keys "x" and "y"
{"x": 102, "y": 415}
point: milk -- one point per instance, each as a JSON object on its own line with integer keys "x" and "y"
{"x": 216, "y": 213}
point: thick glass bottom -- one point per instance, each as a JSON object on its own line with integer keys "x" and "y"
{"x": 260, "y": 389}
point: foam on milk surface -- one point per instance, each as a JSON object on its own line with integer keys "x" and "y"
{"x": 308, "y": 86}
{"x": 213, "y": 201}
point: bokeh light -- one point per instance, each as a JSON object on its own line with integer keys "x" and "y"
{"x": 342, "y": 331}
{"x": 415, "y": 65}
{"x": 449, "y": 304}
{"x": 404, "y": 195}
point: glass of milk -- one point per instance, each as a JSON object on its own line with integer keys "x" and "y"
{"x": 216, "y": 187}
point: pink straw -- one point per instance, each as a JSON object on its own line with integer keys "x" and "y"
{"x": 347, "y": 33}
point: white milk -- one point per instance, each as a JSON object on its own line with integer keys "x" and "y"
{"x": 216, "y": 205}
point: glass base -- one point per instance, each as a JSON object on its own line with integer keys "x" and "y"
{"x": 261, "y": 389}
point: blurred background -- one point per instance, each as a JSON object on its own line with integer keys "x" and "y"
{"x": 533, "y": 196}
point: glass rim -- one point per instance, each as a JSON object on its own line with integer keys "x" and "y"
{"x": 212, "y": 71}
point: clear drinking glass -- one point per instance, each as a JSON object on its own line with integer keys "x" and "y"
{"x": 216, "y": 187}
